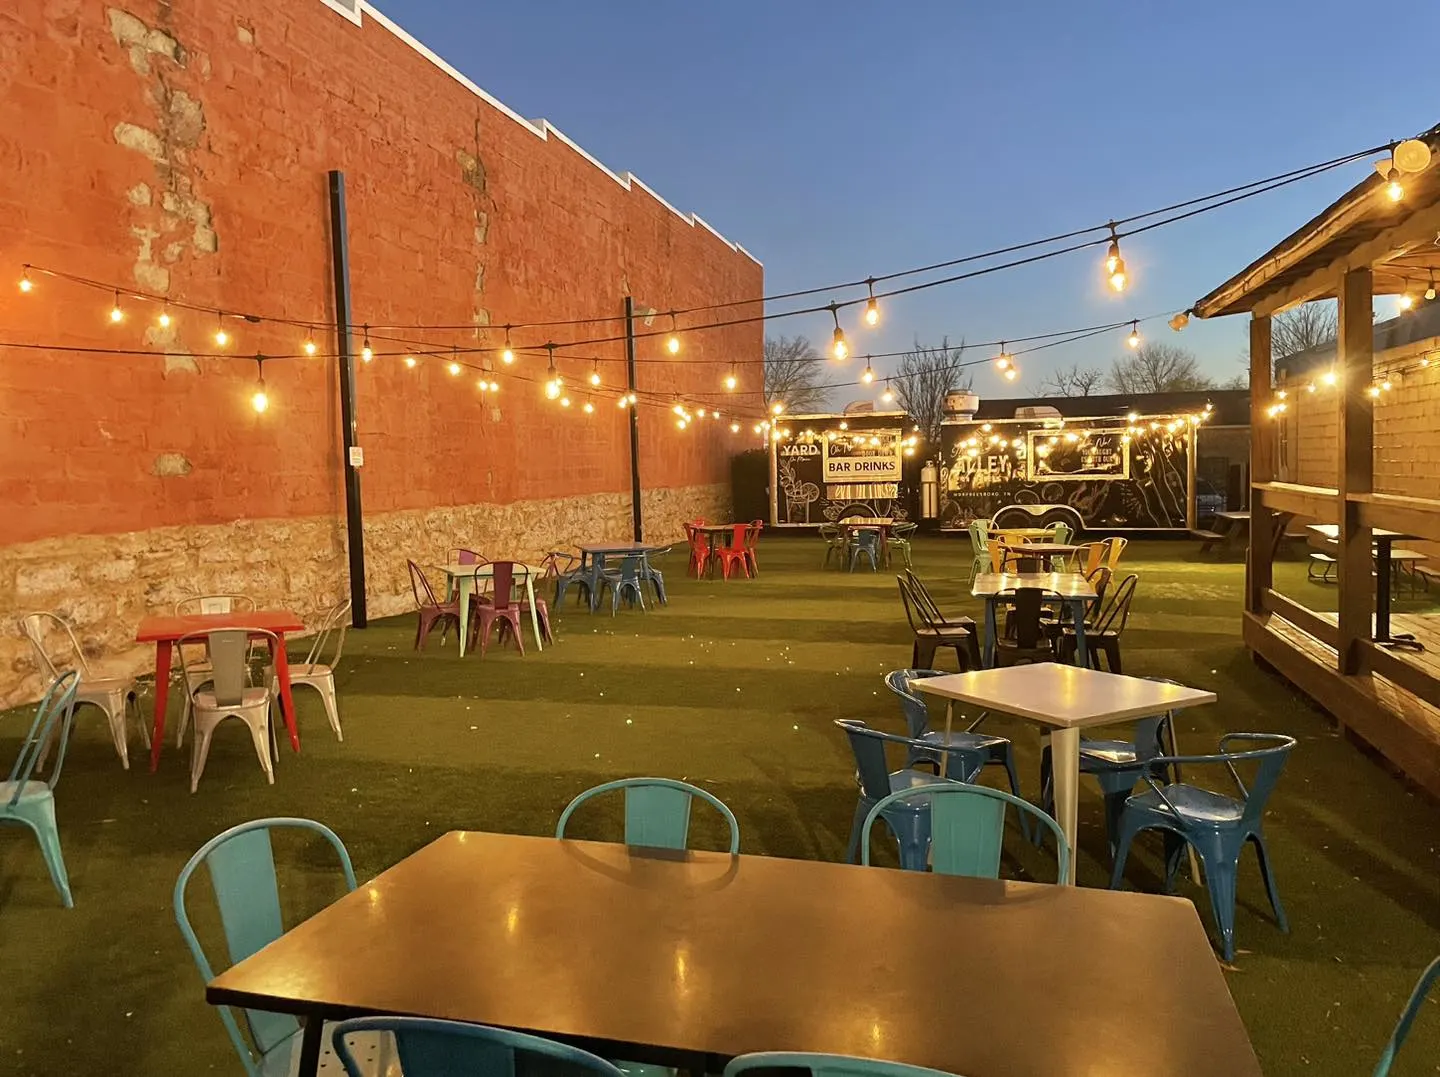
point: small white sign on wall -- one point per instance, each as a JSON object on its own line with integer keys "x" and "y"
{"x": 357, "y": 456}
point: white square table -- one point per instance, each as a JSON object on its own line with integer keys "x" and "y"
{"x": 461, "y": 578}
{"x": 1068, "y": 589}
{"x": 1064, "y": 700}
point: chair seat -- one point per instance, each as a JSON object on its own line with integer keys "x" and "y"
{"x": 1110, "y": 753}
{"x": 374, "y": 1051}
{"x": 915, "y": 779}
{"x": 317, "y": 670}
{"x": 31, "y": 791}
{"x": 978, "y": 741}
{"x": 251, "y": 697}
{"x": 1195, "y": 805}
{"x": 95, "y": 686}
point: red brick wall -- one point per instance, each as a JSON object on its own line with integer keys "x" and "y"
{"x": 183, "y": 149}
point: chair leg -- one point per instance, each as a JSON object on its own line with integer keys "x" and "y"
{"x": 925, "y": 653}
{"x": 1111, "y": 647}
{"x": 1220, "y": 881}
{"x": 1175, "y": 847}
{"x": 114, "y": 708}
{"x": 260, "y": 734}
{"x": 199, "y": 752}
{"x": 332, "y": 708}
{"x": 1007, "y": 759}
{"x": 1122, "y": 851}
{"x": 852, "y": 852}
{"x": 1270, "y": 888}
{"x": 39, "y": 816}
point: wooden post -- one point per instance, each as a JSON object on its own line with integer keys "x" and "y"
{"x": 1258, "y": 558}
{"x": 1355, "y": 456}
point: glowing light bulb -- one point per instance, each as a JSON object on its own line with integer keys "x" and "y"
{"x": 507, "y": 356}
{"x": 116, "y": 314}
{"x": 1117, "y": 276}
{"x": 410, "y": 361}
{"x": 734, "y": 428}
{"x": 1393, "y": 186}
{"x": 888, "y": 396}
{"x": 164, "y": 319}
{"x": 595, "y": 374}
{"x": 1374, "y": 390}
{"x": 672, "y": 343}
{"x": 367, "y": 353}
{"x": 872, "y": 312}
{"x": 623, "y": 401}
{"x": 25, "y": 282}
{"x": 1407, "y": 301}
{"x": 1430, "y": 292}
{"x": 310, "y": 348}
{"x": 1386, "y": 385}
{"x": 839, "y": 347}
{"x": 455, "y": 369}
{"x": 777, "y": 408}
{"x": 1328, "y": 378}
{"x": 564, "y": 401}
{"x": 731, "y": 381}
{"x": 632, "y": 399}
{"x": 494, "y": 386}
{"x": 588, "y": 408}
{"x": 1011, "y": 374}
{"x": 261, "y": 400}
{"x": 222, "y": 338}
{"x": 1134, "y": 338}
{"x": 867, "y": 375}
{"x": 1309, "y": 388}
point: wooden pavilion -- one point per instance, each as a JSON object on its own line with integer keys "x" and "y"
{"x": 1365, "y": 244}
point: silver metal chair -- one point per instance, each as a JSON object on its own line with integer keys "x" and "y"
{"x": 113, "y": 695}
{"x": 199, "y": 604}
{"x": 319, "y": 675}
{"x": 223, "y": 692}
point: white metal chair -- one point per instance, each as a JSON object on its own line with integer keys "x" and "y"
{"x": 197, "y": 604}
{"x": 318, "y": 675}
{"x": 222, "y": 692}
{"x": 113, "y": 695}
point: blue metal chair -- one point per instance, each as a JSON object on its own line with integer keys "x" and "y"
{"x": 432, "y": 1048}
{"x": 865, "y": 540}
{"x": 1118, "y": 765}
{"x": 652, "y": 575}
{"x": 996, "y": 750}
{"x": 29, "y": 803}
{"x": 826, "y": 1065}
{"x": 657, "y": 811}
{"x": 909, "y": 823}
{"x": 572, "y": 573}
{"x": 967, "y": 829}
{"x": 1217, "y": 826}
{"x": 623, "y": 580}
{"x": 241, "y": 861}
{"x": 1427, "y": 980}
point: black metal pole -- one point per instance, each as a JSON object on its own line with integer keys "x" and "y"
{"x": 634, "y": 421}
{"x": 354, "y": 521}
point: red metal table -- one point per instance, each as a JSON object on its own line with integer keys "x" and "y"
{"x": 164, "y": 631}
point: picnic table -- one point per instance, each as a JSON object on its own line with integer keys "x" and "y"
{"x": 1230, "y": 527}
{"x": 163, "y": 631}
{"x": 687, "y": 959}
{"x": 1063, "y": 700}
{"x": 1383, "y": 543}
{"x": 1063, "y": 588}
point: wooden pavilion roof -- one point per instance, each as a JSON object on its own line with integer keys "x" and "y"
{"x": 1400, "y": 241}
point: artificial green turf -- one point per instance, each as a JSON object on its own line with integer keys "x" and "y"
{"x": 735, "y": 686}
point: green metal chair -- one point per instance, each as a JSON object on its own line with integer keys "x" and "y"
{"x": 900, "y": 536}
{"x": 836, "y": 542}
{"x": 980, "y": 547}
{"x": 1427, "y": 980}
{"x": 826, "y": 1065}
{"x": 657, "y": 811}
{"x": 29, "y": 803}
{"x": 967, "y": 829}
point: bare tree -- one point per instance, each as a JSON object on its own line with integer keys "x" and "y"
{"x": 1077, "y": 381}
{"x": 1305, "y": 327}
{"x": 1157, "y": 368}
{"x": 794, "y": 374}
{"x": 925, "y": 376}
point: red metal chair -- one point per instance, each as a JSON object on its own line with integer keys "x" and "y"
{"x": 736, "y": 553}
{"x": 699, "y": 551}
{"x": 502, "y": 607}
{"x": 750, "y": 541}
{"x": 431, "y": 610}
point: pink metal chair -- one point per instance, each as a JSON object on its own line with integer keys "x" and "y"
{"x": 756, "y": 526}
{"x": 430, "y": 609}
{"x": 502, "y": 607}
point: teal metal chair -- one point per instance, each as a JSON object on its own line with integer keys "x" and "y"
{"x": 979, "y": 547}
{"x": 1215, "y": 825}
{"x": 967, "y": 829}
{"x": 433, "y": 1048}
{"x": 657, "y": 811}
{"x": 826, "y": 1065}
{"x": 241, "y": 862}
{"x": 625, "y": 580}
{"x": 836, "y": 542}
{"x": 900, "y": 536}
{"x": 1427, "y": 980}
{"x": 30, "y": 803}
{"x": 865, "y": 540}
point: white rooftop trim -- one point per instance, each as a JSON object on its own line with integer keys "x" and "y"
{"x": 542, "y": 129}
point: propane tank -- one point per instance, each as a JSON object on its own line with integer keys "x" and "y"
{"x": 929, "y": 491}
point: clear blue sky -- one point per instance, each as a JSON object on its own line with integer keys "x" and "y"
{"x": 835, "y": 139}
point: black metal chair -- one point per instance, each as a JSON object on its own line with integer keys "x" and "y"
{"x": 1105, "y": 634}
{"x": 1028, "y": 641}
{"x": 930, "y": 636}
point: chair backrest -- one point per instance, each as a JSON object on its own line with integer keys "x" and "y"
{"x": 924, "y": 600}
{"x": 630, "y": 566}
{"x": 829, "y": 531}
{"x": 872, "y": 772}
{"x": 228, "y": 650}
{"x": 967, "y": 827}
{"x": 1117, "y": 547}
{"x": 420, "y": 586}
{"x": 432, "y": 1048}
{"x": 1029, "y": 601}
{"x": 1099, "y": 579}
{"x": 739, "y": 536}
{"x": 1117, "y": 611}
{"x": 866, "y": 538}
{"x": 1269, "y": 761}
{"x": 753, "y": 537}
{"x": 463, "y": 556}
{"x": 909, "y": 601}
{"x": 912, "y": 704}
{"x": 980, "y": 536}
{"x": 35, "y": 626}
{"x": 241, "y": 862}
{"x": 502, "y": 578}
{"x": 337, "y": 619}
{"x": 826, "y": 1065}
{"x": 1059, "y": 533}
{"x": 57, "y": 707}
{"x": 215, "y": 604}
{"x": 1427, "y": 980}
{"x": 1090, "y": 556}
{"x": 657, "y": 811}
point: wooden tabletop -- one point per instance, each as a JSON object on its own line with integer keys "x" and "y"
{"x": 697, "y": 957}
{"x": 1021, "y": 532}
{"x": 1239, "y": 515}
{"x": 716, "y": 529}
{"x": 1332, "y": 532}
{"x": 1041, "y": 549}
{"x": 153, "y": 628}
{"x": 867, "y": 521}
{"x": 1068, "y": 697}
{"x": 1064, "y": 584}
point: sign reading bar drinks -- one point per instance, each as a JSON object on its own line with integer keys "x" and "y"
{"x": 873, "y": 457}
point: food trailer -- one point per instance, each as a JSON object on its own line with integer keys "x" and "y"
{"x": 825, "y": 468}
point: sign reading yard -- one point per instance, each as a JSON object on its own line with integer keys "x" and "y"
{"x": 873, "y": 457}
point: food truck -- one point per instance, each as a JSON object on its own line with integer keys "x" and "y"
{"x": 1131, "y": 472}
{"x": 827, "y": 467}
